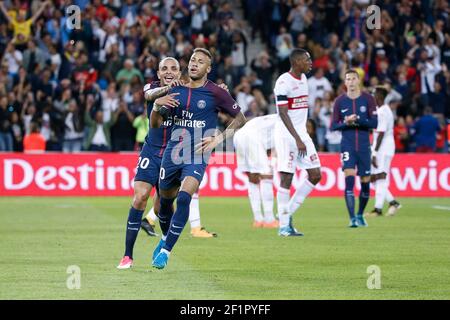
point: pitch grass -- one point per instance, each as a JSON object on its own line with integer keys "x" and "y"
{"x": 41, "y": 237}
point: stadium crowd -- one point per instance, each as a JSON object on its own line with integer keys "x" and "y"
{"x": 81, "y": 89}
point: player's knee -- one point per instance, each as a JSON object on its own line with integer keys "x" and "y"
{"x": 140, "y": 198}
{"x": 315, "y": 177}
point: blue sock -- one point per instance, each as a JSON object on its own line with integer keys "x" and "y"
{"x": 350, "y": 196}
{"x": 165, "y": 214}
{"x": 179, "y": 219}
{"x": 363, "y": 196}
{"x": 133, "y": 226}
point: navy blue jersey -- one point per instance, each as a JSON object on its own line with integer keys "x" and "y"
{"x": 196, "y": 117}
{"x": 157, "y": 138}
{"x": 355, "y": 137}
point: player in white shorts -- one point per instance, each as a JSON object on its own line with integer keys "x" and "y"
{"x": 252, "y": 142}
{"x": 293, "y": 145}
{"x": 383, "y": 150}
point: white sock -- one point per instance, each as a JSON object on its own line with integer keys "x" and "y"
{"x": 380, "y": 193}
{"x": 151, "y": 215}
{"x": 194, "y": 212}
{"x": 300, "y": 195}
{"x": 166, "y": 251}
{"x": 388, "y": 196}
{"x": 266, "y": 187}
{"x": 283, "y": 206}
{"x": 255, "y": 200}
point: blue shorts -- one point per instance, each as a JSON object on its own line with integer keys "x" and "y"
{"x": 148, "y": 166}
{"x": 351, "y": 158}
{"x": 171, "y": 174}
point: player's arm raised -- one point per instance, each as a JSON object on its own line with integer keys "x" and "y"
{"x": 161, "y": 110}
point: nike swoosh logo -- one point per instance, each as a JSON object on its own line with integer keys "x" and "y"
{"x": 344, "y": 110}
{"x": 197, "y": 173}
{"x": 176, "y": 226}
{"x": 133, "y": 222}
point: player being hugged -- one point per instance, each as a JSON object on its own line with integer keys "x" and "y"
{"x": 293, "y": 145}
{"x": 355, "y": 113}
{"x": 191, "y": 142}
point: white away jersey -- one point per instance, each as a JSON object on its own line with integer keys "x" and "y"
{"x": 261, "y": 128}
{"x": 386, "y": 125}
{"x": 292, "y": 93}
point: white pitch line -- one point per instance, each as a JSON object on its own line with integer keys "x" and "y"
{"x": 441, "y": 208}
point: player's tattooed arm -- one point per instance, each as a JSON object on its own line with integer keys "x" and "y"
{"x": 209, "y": 143}
{"x": 160, "y": 109}
{"x": 283, "y": 112}
{"x": 155, "y": 93}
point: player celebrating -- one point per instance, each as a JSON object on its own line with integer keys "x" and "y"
{"x": 186, "y": 156}
{"x": 355, "y": 114}
{"x": 383, "y": 150}
{"x": 252, "y": 142}
{"x": 149, "y": 162}
{"x": 293, "y": 145}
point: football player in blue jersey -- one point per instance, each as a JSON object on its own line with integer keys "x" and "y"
{"x": 355, "y": 115}
{"x": 193, "y": 138}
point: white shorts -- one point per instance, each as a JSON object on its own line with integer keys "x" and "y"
{"x": 288, "y": 156}
{"x": 251, "y": 154}
{"x": 383, "y": 163}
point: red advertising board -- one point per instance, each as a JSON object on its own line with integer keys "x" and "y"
{"x": 111, "y": 174}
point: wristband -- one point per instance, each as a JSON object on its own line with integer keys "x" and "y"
{"x": 156, "y": 107}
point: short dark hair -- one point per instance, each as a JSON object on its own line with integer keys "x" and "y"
{"x": 204, "y": 51}
{"x": 349, "y": 71}
{"x": 297, "y": 53}
{"x": 381, "y": 90}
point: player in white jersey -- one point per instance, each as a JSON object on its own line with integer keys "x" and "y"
{"x": 293, "y": 145}
{"x": 252, "y": 142}
{"x": 383, "y": 150}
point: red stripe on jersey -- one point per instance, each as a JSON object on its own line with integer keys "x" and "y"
{"x": 188, "y": 104}
{"x": 164, "y": 142}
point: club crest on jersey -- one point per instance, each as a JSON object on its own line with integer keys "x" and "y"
{"x": 201, "y": 104}
{"x": 363, "y": 108}
{"x": 235, "y": 106}
{"x": 314, "y": 157}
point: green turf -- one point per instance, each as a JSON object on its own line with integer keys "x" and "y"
{"x": 41, "y": 237}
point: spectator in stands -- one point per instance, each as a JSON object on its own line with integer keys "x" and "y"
{"x": 34, "y": 141}
{"x": 22, "y": 26}
{"x": 400, "y": 135}
{"x": 141, "y": 124}
{"x": 73, "y": 129}
{"x": 264, "y": 68}
{"x": 128, "y": 72}
{"x": 99, "y": 134}
{"x": 17, "y": 130}
{"x": 318, "y": 85}
{"x": 426, "y": 129}
{"x": 6, "y": 137}
{"x": 122, "y": 132}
